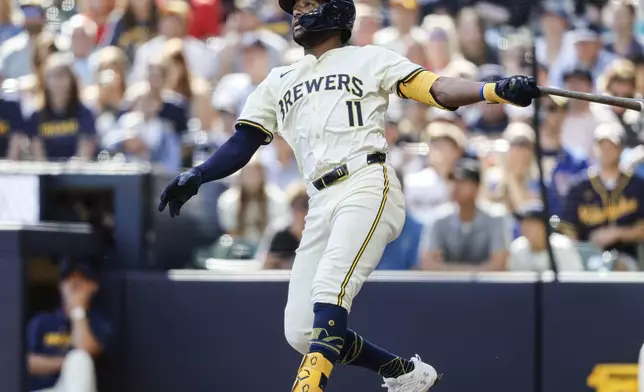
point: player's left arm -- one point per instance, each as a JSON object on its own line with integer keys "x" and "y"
{"x": 452, "y": 93}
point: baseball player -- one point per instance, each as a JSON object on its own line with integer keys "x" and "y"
{"x": 330, "y": 108}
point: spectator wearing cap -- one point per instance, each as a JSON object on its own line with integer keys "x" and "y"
{"x": 468, "y": 234}
{"x": 619, "y": 81}
{"x": 588, "y": 54}
{"x": 607, "y": 207}
{"x": 529, "y": 252}
{"x": 554, "y": 21}
{"x": 489, "y": 120}
{"x": 368, "y": 23}
{"x": 562, "y": 167}
{"x": 173, "y": 24}
{"x": 130, "y": 25}
{"x": 580, "y": 122}
{"x": 520, "y": 171}
{"x": 243, "y": 25}
{"x": 7, "y": 28}
{"x": 471, "y": 34}
{"x": 403, "y": 252}
{"x": 442, "y": 45}
{"x": 78, "y": 36}
{"x": 17, "y": 52}
{"x": 63, "y": 345}
{"x": 284, "y": 243}
{"x": 622, "y": 21}
{"x": 427, "y": 189}
{"x": 404, "y": 16}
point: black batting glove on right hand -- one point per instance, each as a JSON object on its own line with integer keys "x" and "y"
{"x": 180, "y": 190}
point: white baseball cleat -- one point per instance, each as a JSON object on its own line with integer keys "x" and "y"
{"x": 420, "y": 379}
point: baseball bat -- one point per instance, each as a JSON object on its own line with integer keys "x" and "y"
{"x": 627, "y": 103}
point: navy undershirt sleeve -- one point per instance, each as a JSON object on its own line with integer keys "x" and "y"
{"x": 232, "y": 155}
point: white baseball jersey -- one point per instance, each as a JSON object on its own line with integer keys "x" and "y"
{"x": 332, "y": 108}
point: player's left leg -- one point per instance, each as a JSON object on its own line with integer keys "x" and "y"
{"x": 369, "y": 214}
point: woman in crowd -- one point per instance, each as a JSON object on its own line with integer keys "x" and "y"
{"x": 107, "y": 94}
{"x": 7, "y": 28}
{"x": 443, "y": 50}
{"x": 247, "y": 209}
{"x": 133, "y": 23}
{"x": 61, "y": 126}
{"x": 471, "y": 34}
{"x": 31, "y": 85}
{"x": 179, "y": 78}
{"x": 147, "y": 132}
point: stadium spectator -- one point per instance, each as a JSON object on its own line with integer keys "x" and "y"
{"x": 242, "y": 26}
{"x": 403, "y": 15}
{"x": 607, "y": 207}
{"x": 167, "y": 104}
{"x": 468, "y": 235}
{"x": 588, "y": 54}
{"x": 554, "y": 21}
{"x": 403, "y": 252}
{"x": 429, "y": 188}
{"x": 276, "y": 20}
{"x": 520, "y": 170}
{"x": 284, "y": 243}
{"x": 7, "y": 27}
{"x": 561, "y": 166}
{"x": 489, "y": 120}
{"x": 622, "y": 15}
{"x": 280, "y": 164}
{"x": 577, "y": 128}
{"x": 99, "y": 11}
{"x": 16, "y": 53}
{"x": 31, "y": 85}
{"x": 471, "y": 34}
{"x": 179, "y": 79}
{"x": 206, "y": 19}
{"x": 619, "y": 81}
{"x": 251, "y": 206}
{"x": 64, "y": 344}
{"x": 11, "y": 129}
{"x": 368, "y": 23}
{"x": 79, "y": 38}
{"x": 106, "y": 96}
{"x": 62, "y": 126}
{"x": 442, "y": 44}
{"x": 529, "y": 252}
{"x": 131, "y": 24}
{"x": 173, "y": 24}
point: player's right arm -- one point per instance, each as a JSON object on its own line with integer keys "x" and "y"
{"x": 252, "y": 130}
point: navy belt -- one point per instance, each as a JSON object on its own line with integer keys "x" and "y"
{"x": 342, "y": 171}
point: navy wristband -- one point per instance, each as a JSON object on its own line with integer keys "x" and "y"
{"x": 481, "y": 95}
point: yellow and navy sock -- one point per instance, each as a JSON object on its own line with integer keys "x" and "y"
{"x": 360, "y": 352}
{"x": 329, "y": 330}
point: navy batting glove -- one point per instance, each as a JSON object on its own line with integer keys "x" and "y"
{"x": 517, "y": 90}
{"x": 180, "y": 190}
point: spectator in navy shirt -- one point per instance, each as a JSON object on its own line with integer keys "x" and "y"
{"x": 64, "y": 344}
{"x": 62, "y": 127}
{"x": 402, "y": 253}
{"x": 11, "y": 125}
{"x": 562, "y": 167}
{"x": 623, "y": 42}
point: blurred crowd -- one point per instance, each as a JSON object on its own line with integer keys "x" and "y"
{"x": 162, "y": 82}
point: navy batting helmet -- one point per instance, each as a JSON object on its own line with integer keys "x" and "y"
{"x": 332, "y": 15}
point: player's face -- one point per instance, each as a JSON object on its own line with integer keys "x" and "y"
{"x": 300, "y": 8}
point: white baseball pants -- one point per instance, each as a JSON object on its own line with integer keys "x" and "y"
{"x": 347, "y": 228}
{"x": 77, "y": 374}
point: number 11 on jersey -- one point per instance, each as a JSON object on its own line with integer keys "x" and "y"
{"x": 355, "y": 113}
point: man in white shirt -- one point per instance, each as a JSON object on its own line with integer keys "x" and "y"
{"x": 529, "y": 252}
